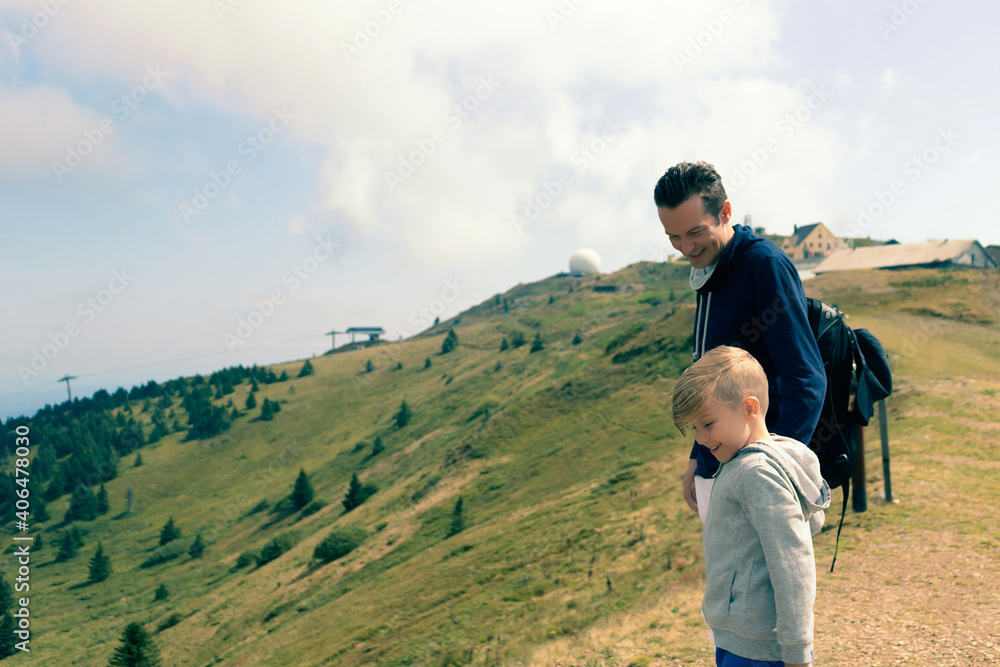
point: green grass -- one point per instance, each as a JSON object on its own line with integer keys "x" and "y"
{"x": 566, "y": 460}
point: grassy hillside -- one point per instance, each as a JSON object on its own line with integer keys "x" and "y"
{"x": 577, "y": 548}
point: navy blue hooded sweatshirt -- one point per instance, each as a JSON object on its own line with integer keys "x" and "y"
{"x": 754, "y": 300}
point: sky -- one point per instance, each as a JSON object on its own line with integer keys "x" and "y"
{"x": 187, "y": 185}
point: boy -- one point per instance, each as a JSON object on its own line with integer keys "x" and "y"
{"x": 767, "y": 502}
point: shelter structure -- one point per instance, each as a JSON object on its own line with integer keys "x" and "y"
{"x": 931, "y": 254}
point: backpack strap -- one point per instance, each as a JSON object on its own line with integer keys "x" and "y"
{"x": 843, "y": 511}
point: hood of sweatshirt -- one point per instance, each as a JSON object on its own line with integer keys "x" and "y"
{"x": 801, "y": 466}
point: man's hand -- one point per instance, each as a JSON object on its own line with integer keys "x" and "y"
{"x": 689, "y": 492}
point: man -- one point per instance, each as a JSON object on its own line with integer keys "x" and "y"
{"x": 749, "y": 296}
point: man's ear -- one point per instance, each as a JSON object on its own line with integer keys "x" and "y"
{"x": 726, "y": 212}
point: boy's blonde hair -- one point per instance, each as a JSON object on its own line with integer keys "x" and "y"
{"x": 723, "y": 375}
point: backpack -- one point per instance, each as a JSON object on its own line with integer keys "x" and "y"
{"x": 857, "y": 376}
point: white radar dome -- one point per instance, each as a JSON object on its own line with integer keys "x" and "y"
{"x": 583, "y": 261}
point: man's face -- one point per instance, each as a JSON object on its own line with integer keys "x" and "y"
{"x": 697, "y": 235}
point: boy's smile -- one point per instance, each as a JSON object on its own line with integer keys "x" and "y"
{"x": 726, "y": 429}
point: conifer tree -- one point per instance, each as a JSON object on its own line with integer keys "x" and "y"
{"x": 40, "y": 510}
{"x": 377, "y": 447}
{"x": 169, "y": 532}
{"x": 537, "y": 345}
{"x": 100, "y": 566}
{"x": 283, "y": 377}
{"x": 7, "y": 637}
{"x": 302, "y": 492}
{"x": 356, "y": 493}
{"x": 404, "y": 414}
{"x": 102, "y": 501}
{"x": 307, "y": 369}
{"x": 251, "y": 402}
{"x": 457, "y": 518}
{"x": 504, "y": 345}
{"x": 427, "y": 362}
{"x": 197, "y": 547}
{"x": 161, "y": 593}
{"x": 137, "y": 649}
{"x": 450, "y": 342}
{"x": 369, "y": 366}
{"x": 577, "y": 339}
{"x": 266, "y": 412}
{"x": 67, "y": 547}
{"x": 138, "y": 459}
{"x": 82, "y": 505}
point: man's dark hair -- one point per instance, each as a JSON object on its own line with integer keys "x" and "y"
{"x": 686, "y": 179}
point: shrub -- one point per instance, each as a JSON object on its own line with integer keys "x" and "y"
{"x": 245, "y": 558}
{"x": 169, "y": 532}
{"x": 170, "y": 622}
{"x": 339, "y": 543}
{"x": 276, "y": 547}
{"x": 312, "y": 508}
{"x": 168, "y": 551}
{"x": 161, "y": 593}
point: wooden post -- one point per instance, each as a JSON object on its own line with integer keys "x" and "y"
{"x": 859, "y": 497}
{"x": 883, "y": 427}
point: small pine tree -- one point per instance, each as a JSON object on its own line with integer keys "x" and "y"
{"x": 82, "y": 505}
{"x": 138, "y": 460}
{"x": 197, "y": 547}
{"x": 437, "y": 321}
{"x": 377, "y": 447}
{"x": 552, "y": 299}
{"x": 457, "y": 519}
{"x": 403, "y": 415}
{"x": 234, "y": 415}
{"x": 67, "y": 547}
{"x": 427, "y": 362}
{"x": 161, "y": 593}
{"x": 137, "y": 649}
{"x": 399, "y": 365}
{"x": 302, "y": 492}
{"x": 577, "y": 339}
{"x": 307, "y": 369}
{"x": 369, "y": 366}
{"x": 671, "y": 297}
{"x": 266, "y": 411}
{"x": 283, "y": 377}
{"x": 169, "y": 532}
{"x": 102, "y": 501}
{"x": 537, "y": 345}
{"x": 40, "y": 510}
{"x": 504, "y": 345}
{"x": 253, "y": 386}
{"x": 100, "y": 566}
{"x": 251, "y": 402}
{"x": 8, "y": 639}
{"x": 450, "y": 342}
{"x": 356, "y": 493}
{"x": 6, "y": 596}
{"x": 497, "y": 367}
{"x": 517, "y": 339}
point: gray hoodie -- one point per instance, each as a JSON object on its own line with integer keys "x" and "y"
{"x": 760, "y": 572}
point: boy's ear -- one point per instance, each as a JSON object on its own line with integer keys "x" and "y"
{"x": 751, "y": 407}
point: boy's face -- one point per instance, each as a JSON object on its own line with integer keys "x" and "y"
{"x": 726, "y": 429}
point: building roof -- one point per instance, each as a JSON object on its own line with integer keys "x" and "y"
{"x": 365, "y": 330}
{"x": 801, "y": 233}
{"x": 898, "y": 255}
{"x": 994, "y": 252}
